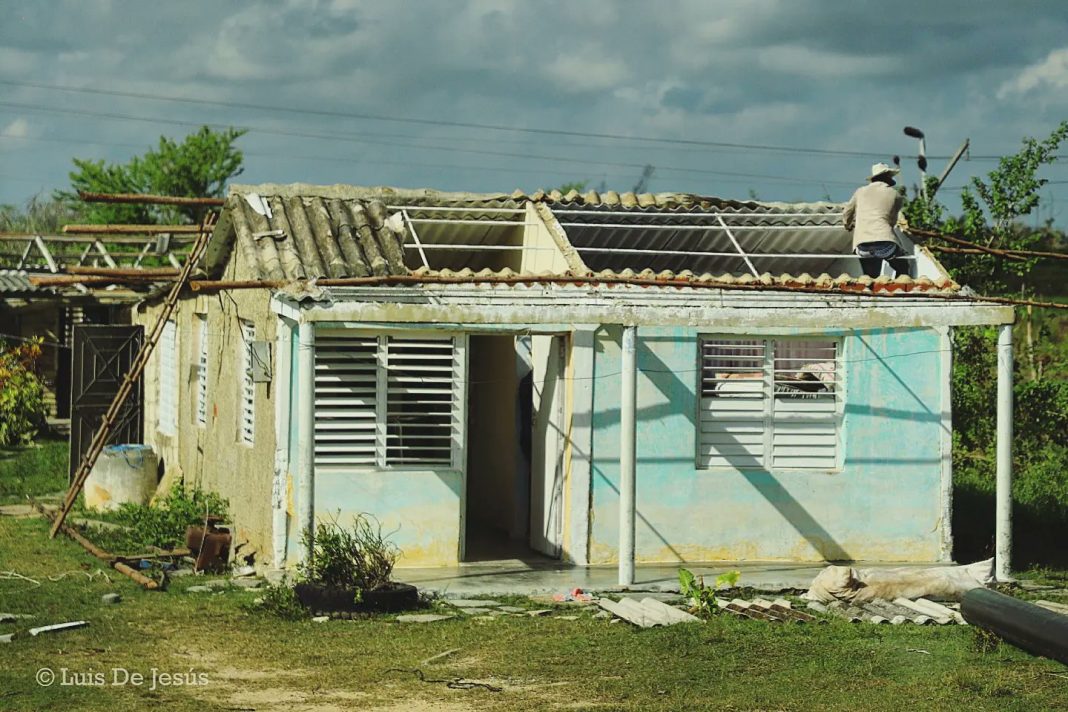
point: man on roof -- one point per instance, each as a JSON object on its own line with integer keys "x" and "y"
{"x": 871, "y": 215}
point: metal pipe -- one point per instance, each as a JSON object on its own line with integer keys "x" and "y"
{"x": 685, "y": 227}
{"x": 1003, "y": 495}
{"x": 124, "y": 271}
{"x": 642, "y": 212}
{"x": 457, "y": 209}
{"x": 1023, "y": 624}
{"x": 627, "y": 451}
{"x": 771, "y": 255}
{"x": 306, "y": 433}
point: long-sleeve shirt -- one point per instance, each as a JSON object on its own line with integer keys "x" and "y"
{"x": 872, "y": 213}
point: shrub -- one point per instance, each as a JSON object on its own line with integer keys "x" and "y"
{"x": 280, "y": 600}
{"x": 22, "y": 407}
{"x": 164, "y": 523}
{"x": 359, "y": 557}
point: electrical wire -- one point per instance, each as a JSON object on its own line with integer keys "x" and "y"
{"x": 396, "y": 144}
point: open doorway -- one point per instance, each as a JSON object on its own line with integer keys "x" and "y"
{"x": 514, "y": 493}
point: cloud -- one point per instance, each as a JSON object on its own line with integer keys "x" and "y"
{"x": 1050, "y": 74}
{"x": 19, "y": 128}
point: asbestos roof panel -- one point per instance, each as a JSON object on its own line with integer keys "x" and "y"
{"x": 18, "y": 282}
{"x": 305, "y": 231}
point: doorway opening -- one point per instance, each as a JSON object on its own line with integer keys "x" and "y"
{"x": 515, "y": 473}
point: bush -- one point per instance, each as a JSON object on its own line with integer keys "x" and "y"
{"x": 22, "y": 407}
{"x": 164, "y": 523}
{"x": 280, "y": 600}
{"x": 358, "y": 557}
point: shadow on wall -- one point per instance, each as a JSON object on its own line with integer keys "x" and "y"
{"x": 667, "y": 381}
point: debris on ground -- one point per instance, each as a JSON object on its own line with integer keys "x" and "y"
{"x": 13, "y": 617}
{"x": 844, "y": 583}
{"x": 422, "y": 618}
{"x": 7, "y": 638}
{"x": 646, "y": 613}
{"x": 472, "y": 602}
{"x": 57, "y": 627}
{"x": 575, "y": 594}
{"x": 110, "y": 598}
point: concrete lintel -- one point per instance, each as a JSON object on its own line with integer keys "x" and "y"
{"x": 889, "y": 316}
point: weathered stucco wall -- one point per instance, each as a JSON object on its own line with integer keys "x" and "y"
{"x": 884, "y": 504}
{"x": 212, "y": 456}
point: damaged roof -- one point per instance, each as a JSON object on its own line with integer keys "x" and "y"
{"x": 299, "y": 231}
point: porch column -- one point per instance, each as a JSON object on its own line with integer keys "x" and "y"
{"x": 306, "y": 434}
{"x": 628, "y": 407}
{"x": 1003, "y": 523}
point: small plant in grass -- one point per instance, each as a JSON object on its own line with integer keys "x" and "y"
{"x": 281, "y": 600}
{"x": 702, "y": 597}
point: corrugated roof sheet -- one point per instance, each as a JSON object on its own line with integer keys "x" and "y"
{"x": 13, "y": 282}
{"x": 341, "y": 231}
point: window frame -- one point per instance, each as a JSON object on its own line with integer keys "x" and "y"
{"x": 167, "y": 381}
{"x": 246, "y": 387}
{"x": 458, "y": 409}
{"x": 200, "y": 411}
{"x": 770, "y": 346}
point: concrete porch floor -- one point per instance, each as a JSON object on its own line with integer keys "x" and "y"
{"x": 528, "y": 577}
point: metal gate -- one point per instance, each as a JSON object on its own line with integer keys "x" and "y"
{"x": 100, "y": 358}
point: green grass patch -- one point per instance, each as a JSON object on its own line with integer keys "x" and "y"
{"x": 258, "y": 661}
{"x": 35, "y": 470}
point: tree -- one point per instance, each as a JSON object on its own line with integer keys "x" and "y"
{"x": 42, "y": 216}
{"x": 992, "y": 210}
{"x": 198, "y": 166}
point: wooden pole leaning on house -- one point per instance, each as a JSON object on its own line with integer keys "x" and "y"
{"x": 144, "y": 198}
{"x": 130, "y": 229}
{"x": 100, "y": 438}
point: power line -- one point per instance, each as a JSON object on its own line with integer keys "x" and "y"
{"x": 443, "y": 122}
{"x": 362, "y": 140}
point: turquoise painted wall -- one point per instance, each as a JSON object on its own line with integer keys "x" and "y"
{"x": 420, "y": 509}
{"x": 884, "y": 504}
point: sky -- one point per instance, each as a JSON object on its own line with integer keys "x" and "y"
{"x": 781, "y": 100}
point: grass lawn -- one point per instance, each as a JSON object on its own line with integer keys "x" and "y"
{"x": 252, "y": 661}
{"x": 38, "y": 469}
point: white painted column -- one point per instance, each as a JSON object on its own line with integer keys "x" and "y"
{"x": 284, "y": 371}
{"x": 1003, "y": 522}
{"x": 627, "y": 421}
{"x": 306, "y": 432}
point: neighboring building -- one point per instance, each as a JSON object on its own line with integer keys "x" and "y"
{"x": 465, "y": 387}
{"x": 28, "y": 311}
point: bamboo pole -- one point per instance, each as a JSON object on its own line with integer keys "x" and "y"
{"x": 80, "y": 229}
{"x": 124, "y": 271}
{"x": 139, "y": 198}
{"x": 113, "y": 561}
{"x": 934, "y": 234}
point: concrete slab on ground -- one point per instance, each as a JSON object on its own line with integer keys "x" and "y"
{"x": 516, "y": 577}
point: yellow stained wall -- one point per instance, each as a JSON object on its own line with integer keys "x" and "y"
{"x": 212, "y": 456}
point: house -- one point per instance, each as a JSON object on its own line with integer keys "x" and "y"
{"x": 503, "y": 375}
{"x": 28, "y": 312}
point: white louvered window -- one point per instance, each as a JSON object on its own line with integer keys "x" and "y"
{"x": 202, "y": 369}
{"x": 246, "y": 424}
{"x": 770, "y": 404}
{"x": 167, "y": 416}
{"x": 387, "y": 401}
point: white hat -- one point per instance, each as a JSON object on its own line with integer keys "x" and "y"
{"x": 880, "y": 169}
